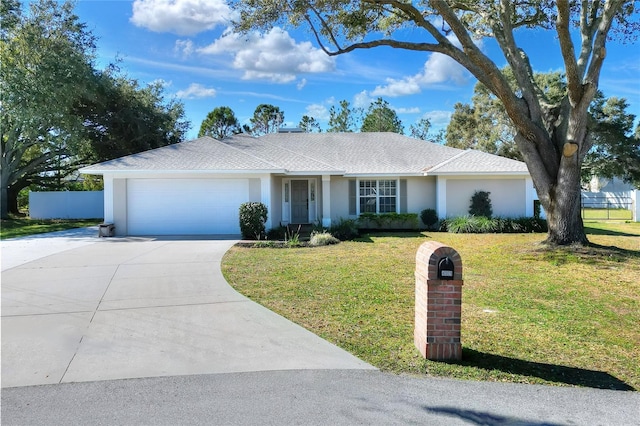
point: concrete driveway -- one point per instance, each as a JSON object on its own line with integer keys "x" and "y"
{"x": 77, "y": 308}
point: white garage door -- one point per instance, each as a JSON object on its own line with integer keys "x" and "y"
{"x": 184, "y": 206}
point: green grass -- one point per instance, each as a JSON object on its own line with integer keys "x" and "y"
{"x": 530, "y": 315}
{"x": 606, "y": 214}
{"x": 11, "y": 228}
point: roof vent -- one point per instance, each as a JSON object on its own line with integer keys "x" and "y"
{"x": 290, "y": 130}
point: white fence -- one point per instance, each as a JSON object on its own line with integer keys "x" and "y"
{"x": 628, "y": 200}
{"x": 611, "y": 200}
{"x": 66, "y": 205}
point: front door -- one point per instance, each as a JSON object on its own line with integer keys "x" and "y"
{"x": 299, "y": 201}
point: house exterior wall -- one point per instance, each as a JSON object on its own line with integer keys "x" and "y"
{"x": 339, "y": 198}
{"x": 421, "y": 193}
{"x": 119, "y": 207}
{"x": 275, "y": 212}
{"x": 508, "y": 196}
{"x": 115, "y": 193}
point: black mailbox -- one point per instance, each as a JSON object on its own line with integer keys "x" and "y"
{"x": 445, "y": 269}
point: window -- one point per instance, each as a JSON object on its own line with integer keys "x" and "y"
{"x": 378, "y": 196}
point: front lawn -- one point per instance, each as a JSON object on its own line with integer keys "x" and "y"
{"x": 566, "y": 316}
{"x": 11, "y": 228}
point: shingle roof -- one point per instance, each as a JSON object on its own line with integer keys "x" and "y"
{"x": 202, "y": 154}
{"x": 330, "y": 153}
{"x": 472, "y": 161}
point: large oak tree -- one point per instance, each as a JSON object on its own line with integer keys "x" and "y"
{"x": 553, "y": 138}
{"x": 46, "y": 63}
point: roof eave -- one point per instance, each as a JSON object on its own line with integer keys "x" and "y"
{"x": 179, "y": 172}
{"x": 386, "y": 174}
{"x": 485, "y": 173}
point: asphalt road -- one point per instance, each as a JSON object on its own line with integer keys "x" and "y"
{"x": 313, "y": 397}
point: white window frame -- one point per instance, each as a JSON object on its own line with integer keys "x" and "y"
{"x": 377, "y": 194}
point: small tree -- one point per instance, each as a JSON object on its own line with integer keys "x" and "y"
{"x": 429, "y": 217}
{"x": 481, "y": 204}
{"x": 253, "y": 216}
{"x": 220, "y": 123}
{"x": 381, "y": 118}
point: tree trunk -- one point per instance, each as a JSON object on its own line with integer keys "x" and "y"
{"x": 12, "y": 202}
{"x": 563, "y": 207}
{"x": 4, "y": 198}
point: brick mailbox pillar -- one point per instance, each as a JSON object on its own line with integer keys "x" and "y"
{"x": 438, "y": 302}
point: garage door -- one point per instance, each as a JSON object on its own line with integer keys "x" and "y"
{"x": 184, "y": 206}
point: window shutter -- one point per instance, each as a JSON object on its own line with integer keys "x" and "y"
{"x": 352, "y": 198}
{"x": 403, "y": 195}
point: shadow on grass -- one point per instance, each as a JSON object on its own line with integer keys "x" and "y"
{"x": 597, "y": 231}
{"x": 366, "y": 236}
{"x": 550, "y": 372}
{"x": 594, "y": 254}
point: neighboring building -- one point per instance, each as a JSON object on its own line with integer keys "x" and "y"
{"x": 196, "y": 187}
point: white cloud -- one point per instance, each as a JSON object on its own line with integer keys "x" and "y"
{"x": 362, "y": 99}
{"x": 164, "y": 83}
{"x": 196, "y": 91}
{"x": 438, "y": 69}
{"x": 273, "y": 56}
{"x": 413, "y": 110}
{"x": 301, "y": 84}
{"x": 184, "y": 48}
{"x": 438, "y": 118}
{"x": 183, "y": 17}
{"x": 318, "y": 111}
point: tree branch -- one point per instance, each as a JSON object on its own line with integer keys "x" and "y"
{"x": 574, "y": 85}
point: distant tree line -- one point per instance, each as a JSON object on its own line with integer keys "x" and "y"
{"x": 222, "y": 122}
{"x": 482, "y": 125}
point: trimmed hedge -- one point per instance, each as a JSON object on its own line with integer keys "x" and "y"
{"x": 388, "y": 221}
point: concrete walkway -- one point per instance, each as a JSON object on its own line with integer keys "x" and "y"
{"x": 84, "y": 309}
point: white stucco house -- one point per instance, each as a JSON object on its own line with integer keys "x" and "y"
{"x": 196, "y": 187}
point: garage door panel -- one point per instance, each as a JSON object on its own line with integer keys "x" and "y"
{"x": 185, "y": 206}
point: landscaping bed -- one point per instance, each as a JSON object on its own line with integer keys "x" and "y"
{"x": 566, "y": 316}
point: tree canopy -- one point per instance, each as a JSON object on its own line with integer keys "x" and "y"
{"x": 220, "y": 123}
{"x": 342, "y": 119}
{"x": 309, "y": 124}
{"x": 266, "y": 118}
{"x": 381, "y": 118}
{"x": 57, "y": 111}
{"x": 552, "y": 136}
{"x": 616, "y": 149}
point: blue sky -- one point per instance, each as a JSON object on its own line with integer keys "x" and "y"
{"x": 184, "y": 44}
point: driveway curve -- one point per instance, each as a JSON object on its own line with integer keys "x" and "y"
{"x": 77, "y": 308}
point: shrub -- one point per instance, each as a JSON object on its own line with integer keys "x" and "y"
{"x": 481, "y": 224}
{"x": 253, "y": 216}
{"x": 481, "y": 204}
{"x": 277, "y": 234}
{"x": 388, "y": 221}
{"x": 429, "y": 217}
{"x": 322, "y": 239}
{"x": 344, "y": 229}
{"x": 462, "y": 225}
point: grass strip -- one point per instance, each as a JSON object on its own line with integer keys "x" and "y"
{"x": 12, "y": 228}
